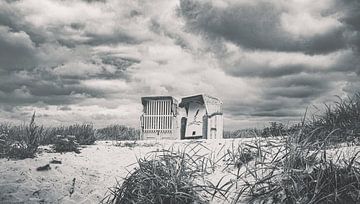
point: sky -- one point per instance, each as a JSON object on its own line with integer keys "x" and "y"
{"x": 76, "y": 61}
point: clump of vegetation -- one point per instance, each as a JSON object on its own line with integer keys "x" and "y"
{"x": 85, "y": 134}
{"x": 135, "y": 143}
{"x": 167, "y": 177}
{"x": 4, "y": 141}
{"x": 339, "y": 123}
{"x": 131, "y": 144}
{"x": 299, "y": 167}
{"x": 157, "y": 181}
{"x": 241, "y": 133}
{"x": 117, "y": 132}
{"x": 66, "y": 144}
{"x": 239, "y": 156}
{"x": 275, "y": 129}
{"x": 20, "y": 142}
{"x": 295, "y": 174}
{"x": 325, "y": 183}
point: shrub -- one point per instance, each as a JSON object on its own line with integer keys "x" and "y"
{"x": 275, "y": 129}
{"x": 85, "y": 134}
{"x": 4, "y": 141}
{"x": 66, "y": 144}
{"x": 20, "y": 141}
{"x": 50, "y": 135}
{"x": 242, "y": 133}
{"x": 117, "y": 132}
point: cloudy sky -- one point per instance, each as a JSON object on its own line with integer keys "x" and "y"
{"x": 91, "y": 61}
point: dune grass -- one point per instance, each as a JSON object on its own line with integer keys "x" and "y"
{"x": 339, "y": 123}
{"x": 294, "y": 173}
{"x": 297, "y": 167}
{"x": 168, "y": 176}
{"x": 20, "y": 142}
{"x": 117, "y": 132}
{"x": 84, "y": 133}
{"x": 66, "y": 143}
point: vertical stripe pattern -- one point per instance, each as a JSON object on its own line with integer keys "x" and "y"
{"x": 158, "y": 116}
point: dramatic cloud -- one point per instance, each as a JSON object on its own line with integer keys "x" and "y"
{"x": 91, "y": 61}
{"x": 266, "y": 25}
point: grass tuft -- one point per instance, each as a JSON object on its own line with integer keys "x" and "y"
{"x": 66, "y": 144}
{"x": 340, "y": 123}
{"x": 168, "y": 176}
{"x": 84, "y": 133}
{"x": 20, "y": 142}
{"x": 117, "y": 132}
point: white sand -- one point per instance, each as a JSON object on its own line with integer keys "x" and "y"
{"x": 95, "y": 169}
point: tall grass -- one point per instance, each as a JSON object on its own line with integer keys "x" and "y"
{"x": 66, "y": 143}
{"x": 275, "y": 129}
{"x": 296, "y": 167}
{"x": 340, "y": 122}
{"x": 168, "y": 176}
{"x": 302, "y": 169}
{"x": 117, "y": 132}
{"x": 293, "y": 173}
{"x": 84, "y": 133}
{"x": 20, "y": 141}
{"x": 241, "y": 133}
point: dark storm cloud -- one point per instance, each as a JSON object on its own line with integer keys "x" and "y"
{"x": 348, "y": 63}
{"x": 286, "y": 96}
{"x": 255, "y": 26}
{"x": 8, "y": 16}
{"x": 301, "y": 80}
{"x": 19, "y": 91}
{"x": 276, "y": 113}
{"x": 17, "y": 51}
{"x": 13, "y": 19}
{"x": 26, "y": 87}
{"x": 46, "y": 85}
{"x": 352, "y": 20}
{"x": 294, "y": 92}
{"x": 93, "y": 60}
{"x": 264, "y": 72}
{"x": 36, "y": 64}
{"x": 324, "y": 59}
{"x": 279, "y": 107}
{"x": 23, "y": 46}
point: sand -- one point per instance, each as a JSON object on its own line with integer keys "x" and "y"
{"x": 84, "y": 177}
{"x": 95, "y": 169}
